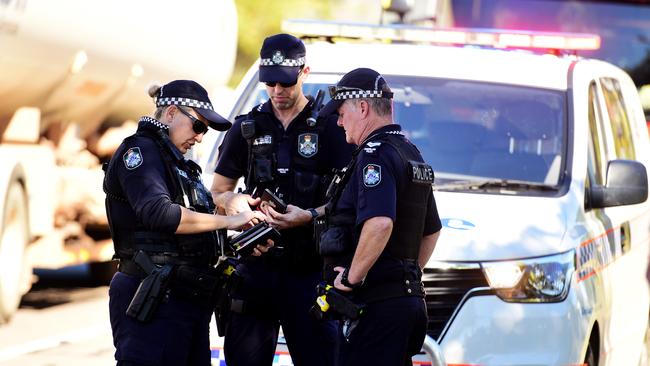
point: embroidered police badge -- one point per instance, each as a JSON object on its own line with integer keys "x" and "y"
{"x": 263, "y": 140}
{"x": 132, "y": 158}
{"x": 278, "y": 57}
{"x": 307, "y": 144}
{"x": 371, "y": 175}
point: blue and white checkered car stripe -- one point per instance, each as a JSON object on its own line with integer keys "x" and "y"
{"x": 357, "y": 94}
{"x": 184, "y": 102}
{"x": 286, "y": 62}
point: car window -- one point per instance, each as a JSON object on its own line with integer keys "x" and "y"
{"x": 597, "y": 152}
{"x": 618, "y": 118}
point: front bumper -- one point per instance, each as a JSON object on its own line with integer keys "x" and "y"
{"x": 488, "y": 331}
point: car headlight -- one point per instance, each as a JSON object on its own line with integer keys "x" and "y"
{"x": 543, "y": 279}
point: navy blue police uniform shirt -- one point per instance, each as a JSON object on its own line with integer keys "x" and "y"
{"x": 379, "y": 174}
{"x": 333, "y": 152}
{"x": 141, "y": 175}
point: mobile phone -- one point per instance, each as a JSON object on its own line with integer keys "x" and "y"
{"x": 268, "y": 198}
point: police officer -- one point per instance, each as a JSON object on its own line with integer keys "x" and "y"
{"x": 276, "y": 147}
{"x": 160, "y": 212}
{"x": 382, "y": 226}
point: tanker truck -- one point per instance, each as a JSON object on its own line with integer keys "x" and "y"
{"x": 73, "y": 78}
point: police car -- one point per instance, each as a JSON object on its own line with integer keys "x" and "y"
{"x": 540, "y": 162}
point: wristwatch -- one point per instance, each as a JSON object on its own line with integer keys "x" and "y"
{"x": 314, "y": 213}
{"x": 346, "y": 283}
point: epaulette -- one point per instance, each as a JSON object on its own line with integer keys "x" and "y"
{"x": 251, "y": 114}
{"x": 371, "y": 147}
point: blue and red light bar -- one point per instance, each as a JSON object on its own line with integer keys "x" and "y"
{"x": 453, "y": 36}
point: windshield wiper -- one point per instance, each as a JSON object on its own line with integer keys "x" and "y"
{"x": 470, "y": 185}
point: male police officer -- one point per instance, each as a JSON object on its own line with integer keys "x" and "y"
{"x": 383, "y": 226}
{"x": 275, "y": 147}
{"x": 161, "y": 220}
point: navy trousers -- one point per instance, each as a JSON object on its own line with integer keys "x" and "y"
{"x": 389, "y": 334}
{"x": 178, "y": 334}
{"x": 277, "y": 297}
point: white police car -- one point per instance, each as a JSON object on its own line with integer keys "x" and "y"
{"x": 541, "y": 184}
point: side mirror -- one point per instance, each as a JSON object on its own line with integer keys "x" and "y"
{"x": 627, "y": 184}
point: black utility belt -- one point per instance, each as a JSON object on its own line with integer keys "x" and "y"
{"x": 369, "y": 293}
{"x": 131, "y": 268}
{"x": 197, "y": 282}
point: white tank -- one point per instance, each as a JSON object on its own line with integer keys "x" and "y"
{"x": 92, "y": 61}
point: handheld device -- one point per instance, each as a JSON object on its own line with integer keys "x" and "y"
{"x": 244, "y": 243}
{"x": 270, "y": 199}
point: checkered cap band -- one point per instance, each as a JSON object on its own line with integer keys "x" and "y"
{"x": 153, "y": 121}
{"x": 357, "y": 94}
{"x": 286, "y": 62}
{"x": 184, "y": 102}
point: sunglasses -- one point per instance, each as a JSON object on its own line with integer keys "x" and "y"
{"x": 272, "y": 84}
{"x": 197, "y": 125}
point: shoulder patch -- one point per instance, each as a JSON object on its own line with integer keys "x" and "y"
{"x": 132, "y": 158}
{"x": 371, "y": 175}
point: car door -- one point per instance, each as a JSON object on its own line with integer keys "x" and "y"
{"x": 618, "y": 243}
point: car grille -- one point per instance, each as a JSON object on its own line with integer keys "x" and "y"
{"x": 445, "y": 288}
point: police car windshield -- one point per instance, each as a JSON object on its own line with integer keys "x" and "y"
{"x": 476, "y": 130}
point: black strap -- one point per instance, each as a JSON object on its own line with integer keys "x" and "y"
{"x": 367, "y": 294}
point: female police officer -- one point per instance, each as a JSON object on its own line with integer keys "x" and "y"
{"x": 160, "y": 213}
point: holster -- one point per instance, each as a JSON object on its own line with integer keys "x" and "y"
{"x": 151, "y": 291}
{"x": 335, "y": 305}
{"x": 230, "y": 280}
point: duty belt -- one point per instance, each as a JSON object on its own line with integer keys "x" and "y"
{"x": 383, "y": 291}
{"x": 129, "y": 267}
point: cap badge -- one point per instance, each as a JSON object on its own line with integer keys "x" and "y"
{"x": 371, "y": 175}
{"x": 278, "y": 57}
{"x": 307, "y": 144}
{"x": 132, "y": 158}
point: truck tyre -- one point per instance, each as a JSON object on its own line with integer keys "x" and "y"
{"x": 13, "y": 242}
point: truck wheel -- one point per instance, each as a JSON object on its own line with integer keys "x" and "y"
{"x": 13, "y": 242}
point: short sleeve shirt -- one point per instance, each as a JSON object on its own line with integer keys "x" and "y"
{"x": 378, "y": 176}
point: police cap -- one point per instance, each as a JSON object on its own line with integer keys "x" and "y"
{"x": 356, "y": 84}
{"x": 190, "y": 94}
{"x": 281, "y": 58}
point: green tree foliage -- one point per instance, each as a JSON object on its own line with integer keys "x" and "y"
{"x": 261, "y": 18}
